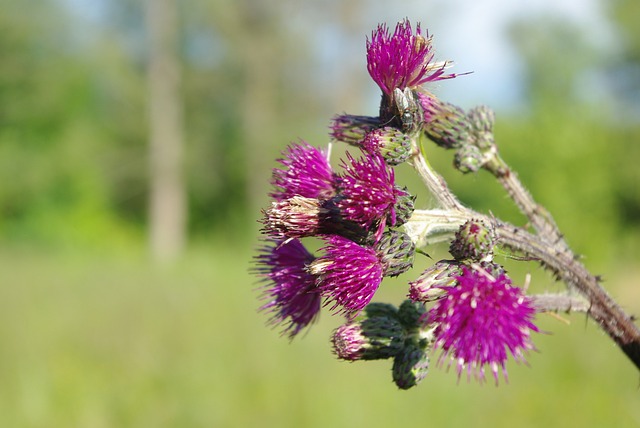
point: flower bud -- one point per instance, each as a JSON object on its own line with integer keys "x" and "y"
{"x": 352, "y": 129}
{"x": 396, "y": 251}
{"x": 427, "y": 287}
{"x": 295, "y": 217}
{"x": 404, "y": 206}
{"x": 474, "y": 241}
{"x": 379, "y": 309}
{"x": 490, "y": 268}
{"x": 410, "y": 366}
{"x": 468, "y": 158}
{"x": 412, "y": 315}
{"x": 299, "y": 217}
{"x": 370, "y": 339}
{"x": 482, "y": 119}
{"x": 445, "y": 124}
{"x": 391, "y": 143}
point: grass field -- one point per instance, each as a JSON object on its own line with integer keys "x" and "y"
{"x": 94, "y": 340}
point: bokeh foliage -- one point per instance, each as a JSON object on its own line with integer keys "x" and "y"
{"x": 107, "y": 342}
{"x": 73, "y": 150}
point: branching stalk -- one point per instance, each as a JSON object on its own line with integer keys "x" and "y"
{"x": 604, "y": 310}
{"x": 430, "y": 226}
{"x": 540, "y": 218}
{"x": 560, "y": 303}
{"x": 434, "y": 182}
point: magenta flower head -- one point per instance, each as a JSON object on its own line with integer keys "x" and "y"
{"x": 368, "y": 192}
{"x": 290, "y": 290}
{"x": 306, "y": 173}
{"x": 480, "y": 320}
{"x": 402, "y": 60}
{"x": 348, "y": 274}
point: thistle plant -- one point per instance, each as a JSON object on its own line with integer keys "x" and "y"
{"x": 465, "y": 311}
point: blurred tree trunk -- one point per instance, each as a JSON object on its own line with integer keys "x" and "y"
{"x": 259, "y": 46}
{"x": 167, "y": 204}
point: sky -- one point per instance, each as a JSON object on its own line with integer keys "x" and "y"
{"x": 471, "y": 33}
{"x": 474, "y": 35}
{"x": 481, "y": 44}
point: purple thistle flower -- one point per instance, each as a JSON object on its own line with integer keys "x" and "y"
{"x": 402, "y": 60}
{"x": 348, "y": 274}
{"x": 479, "y": 320}
{"x": 306, "y": 173}
{"x": 368, "y": 191}
{"x": 291, "y": 289}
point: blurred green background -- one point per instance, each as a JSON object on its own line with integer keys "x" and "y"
{"x": 96, "y": 331}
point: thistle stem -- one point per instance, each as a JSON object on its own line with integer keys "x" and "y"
{"x": 603, "y": 310}
{"x": 434, "y": 182}
{"x": 430, "y": 226}
{"x": 548, "y": 302}
{"x": 540, "y": 218}
{"x": 426, "y": 227}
